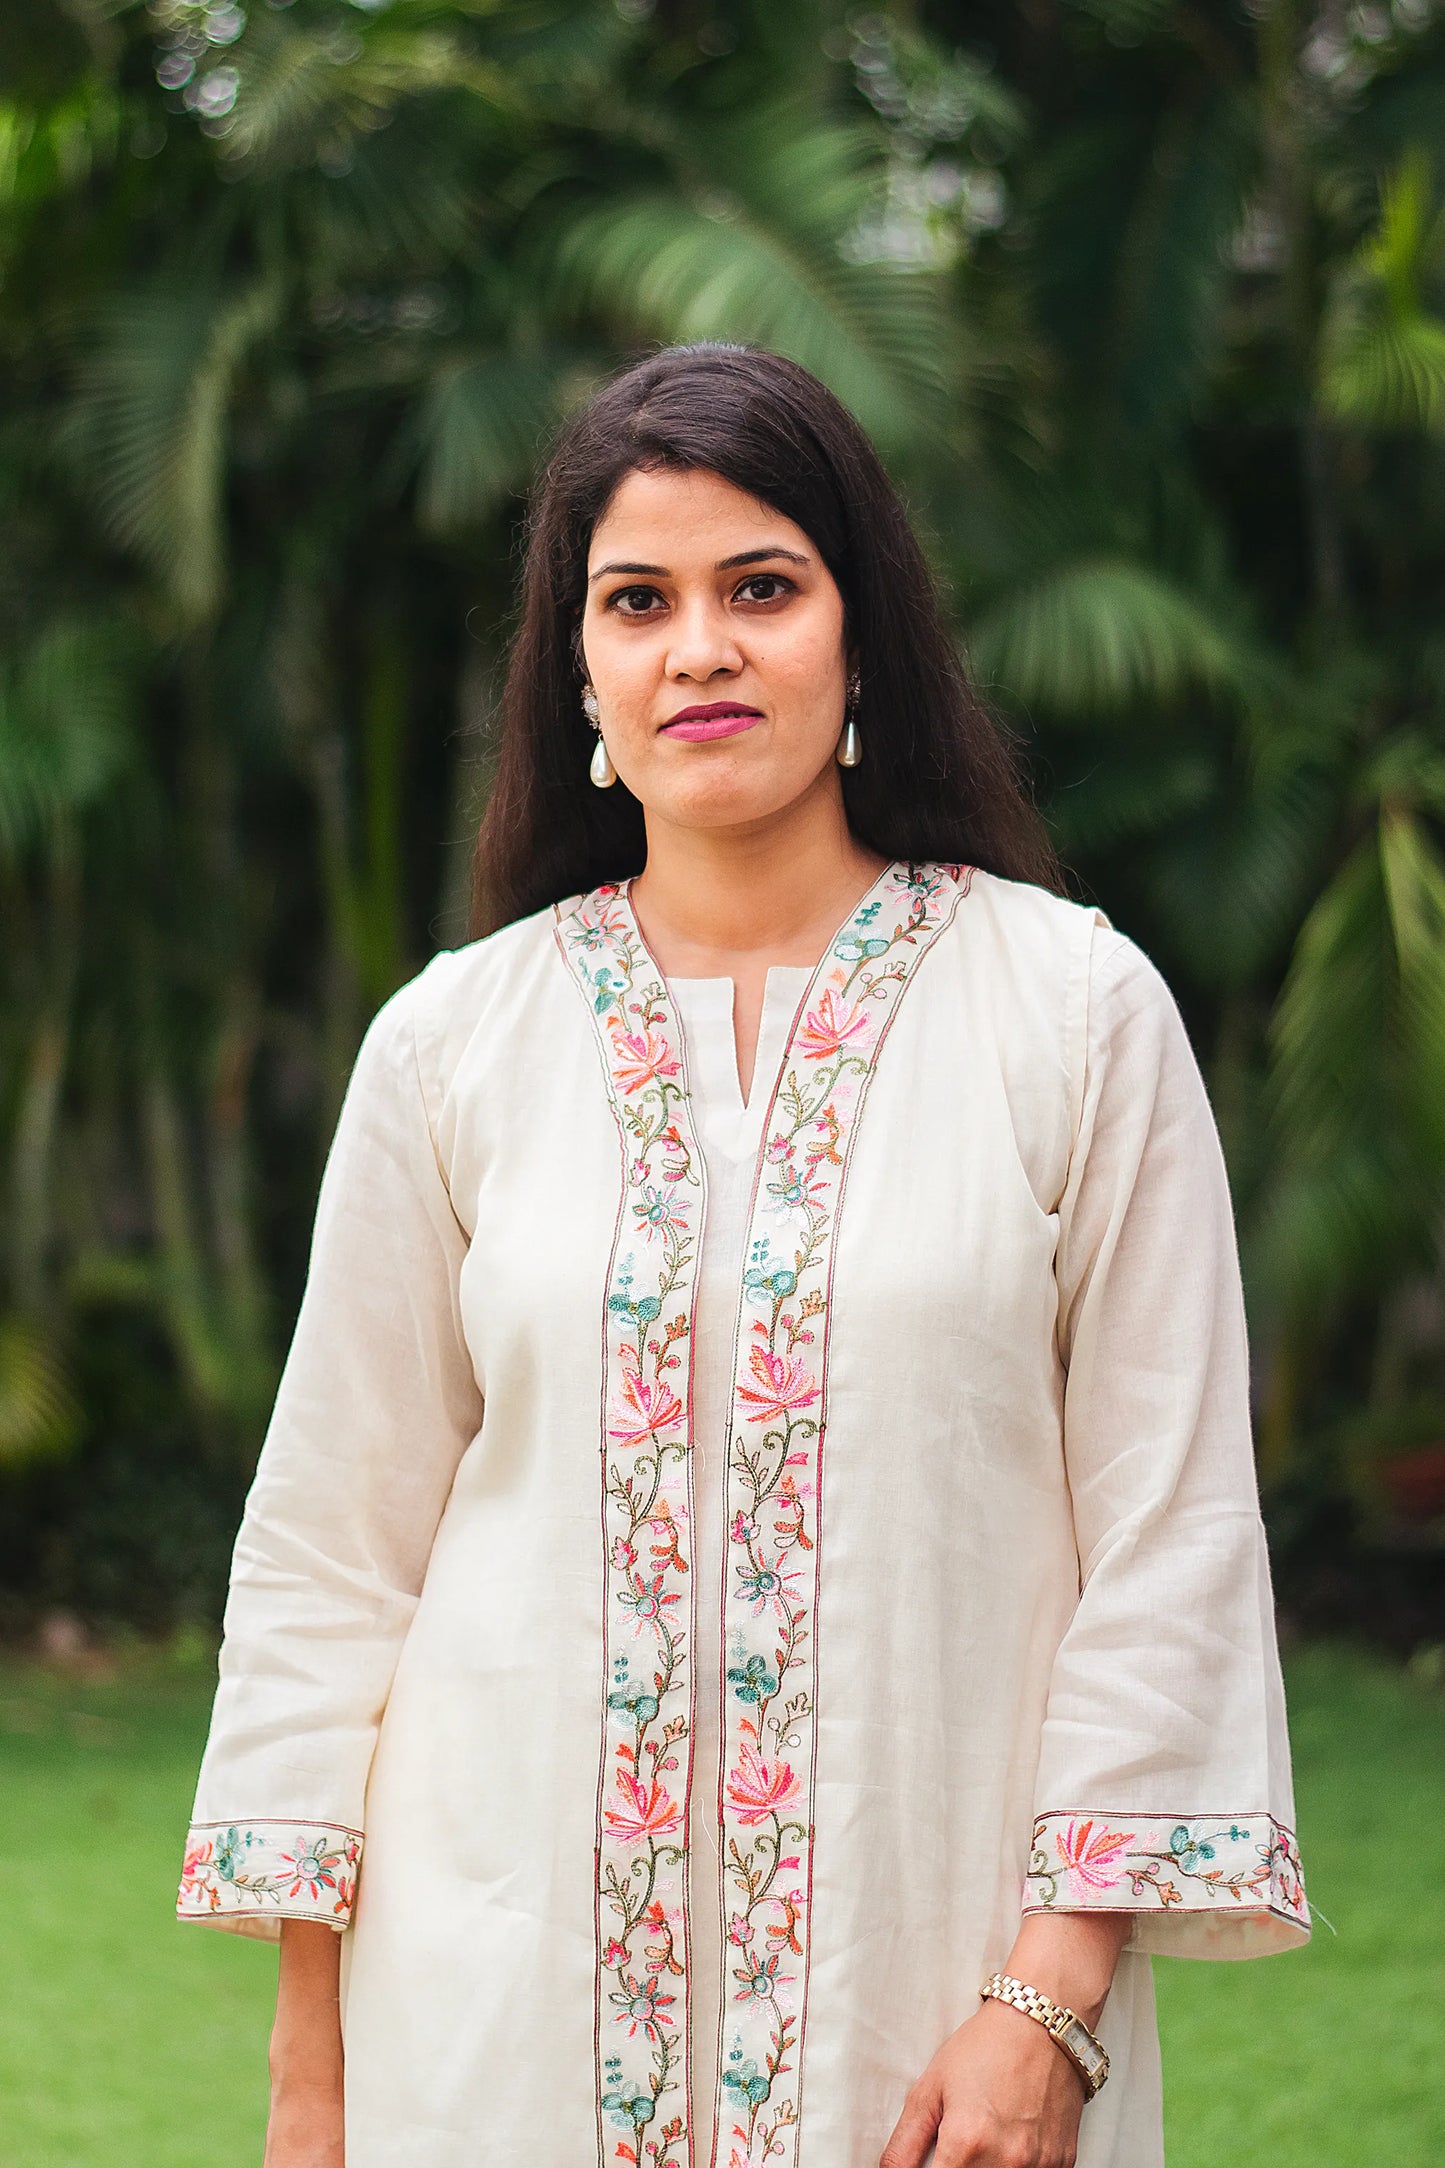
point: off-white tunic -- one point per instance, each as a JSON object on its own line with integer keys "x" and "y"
{"x": 710, "y": 1568}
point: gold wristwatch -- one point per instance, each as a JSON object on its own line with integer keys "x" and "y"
{"x": 1062, "y": 2024}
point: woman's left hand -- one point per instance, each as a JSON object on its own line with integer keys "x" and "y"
{"x": 998, "y": 2094}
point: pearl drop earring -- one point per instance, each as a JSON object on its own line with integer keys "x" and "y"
{"x": 600, "y": 768}
{"x": 850, "y": 744}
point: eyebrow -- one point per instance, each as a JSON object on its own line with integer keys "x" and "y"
{"x": 724, "y": 564}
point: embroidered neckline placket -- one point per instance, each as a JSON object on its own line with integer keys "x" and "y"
{"x": 771, "y": 1548}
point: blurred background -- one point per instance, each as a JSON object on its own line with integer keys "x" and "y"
{"x": 1144, "y": 303}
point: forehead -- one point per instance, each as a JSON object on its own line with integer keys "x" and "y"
{"x": 671, "y": 516}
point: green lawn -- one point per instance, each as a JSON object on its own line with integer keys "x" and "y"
{"x": 129, "y": 2042}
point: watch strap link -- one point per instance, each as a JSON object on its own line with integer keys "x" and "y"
{"x": 1063, "y": 2025}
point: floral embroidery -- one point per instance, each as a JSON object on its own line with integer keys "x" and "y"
{"x": 1133, "y": 1862}
{"x": 293, "y": 1870}
{"x": 774, "y": 1482}
{"x": 773, "y": 1477}
{"x": 642, "y": 1993}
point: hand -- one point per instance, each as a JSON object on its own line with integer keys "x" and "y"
{"x": 306, "y": 2127}
{"x": 998, "y": 2094}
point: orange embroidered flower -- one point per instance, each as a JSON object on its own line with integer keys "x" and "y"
{"x": 650, "y": 1811}
{"x": 785, "y": 1381}
{"x": 831, "y": 1026}
{"x": 640, "y": 1056}
{"x": 1093, "y": 1855}
{"x": 758, "y": 1787}
{"x": 641, "y": 1411}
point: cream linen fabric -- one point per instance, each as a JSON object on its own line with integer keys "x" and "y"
{"x": 1047, "y": 1667}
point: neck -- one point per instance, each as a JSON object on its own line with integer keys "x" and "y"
{"x": 773, "y": 892}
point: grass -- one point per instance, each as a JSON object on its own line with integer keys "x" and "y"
{"x": 129, "y": 2042}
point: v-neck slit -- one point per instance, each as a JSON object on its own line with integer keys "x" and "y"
{"x": 728, "y": 1122}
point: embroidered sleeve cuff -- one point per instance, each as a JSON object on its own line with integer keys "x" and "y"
{"x": 1211, "y": 1886}
{"x": 249, "y": 1876}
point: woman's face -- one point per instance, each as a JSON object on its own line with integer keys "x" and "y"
{"x": 713, "y": 637}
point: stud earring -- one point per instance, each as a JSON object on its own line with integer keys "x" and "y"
{"x": 600, "y": 768}
{"x": 850, "y": 745}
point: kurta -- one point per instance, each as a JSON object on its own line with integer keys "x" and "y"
{"x": 712, "y": 1568}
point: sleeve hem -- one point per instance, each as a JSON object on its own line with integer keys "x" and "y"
{"x": 249, "y": 1876}
{"x": 1193, "y": 1874}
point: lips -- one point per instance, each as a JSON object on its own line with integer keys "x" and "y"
{"x": 716, "y": 719}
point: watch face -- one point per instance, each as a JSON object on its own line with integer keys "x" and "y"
{"x": 1090, "y": 2054}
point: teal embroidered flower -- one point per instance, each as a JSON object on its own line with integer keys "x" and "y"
{"x": 765, "y": 1281}
{"x": 644, "y": 1311}
{"x": 640, "y": 1707}
{"x": 753, "y": 1681}
{"x": 633, "y": 2107}
{"x": 748, "y": 2080}
{"x": 1188, "y": 1849}
{"x": 228, "y": 1861}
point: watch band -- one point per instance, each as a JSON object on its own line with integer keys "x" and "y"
{"x": 1062, "y": 2025}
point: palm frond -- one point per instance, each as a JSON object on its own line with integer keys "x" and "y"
{"x": 1382, "y": 355}
{"x": 65, "y": 708}
{"x": 304, "y": 86}
{"x": 154, "y": 383}
{"x": 1124, "y": 796}
{"x": 1231, "y": 884}
{"x": 478, "y": 431}
{"x": 1413, "y": 874}
{"x": 1104, "y": 637}
{"x": 39, "y": 1413}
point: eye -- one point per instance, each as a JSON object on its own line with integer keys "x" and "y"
{"x": 633, "y": 601}
{"x": 765, "y": 587}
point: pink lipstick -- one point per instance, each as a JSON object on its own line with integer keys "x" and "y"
{"x": 713, "y": 719}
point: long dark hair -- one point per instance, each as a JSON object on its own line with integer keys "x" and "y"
{"x": 938, "y": 779}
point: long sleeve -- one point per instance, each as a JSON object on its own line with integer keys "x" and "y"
{"x": 1164, "y": 1782}
{"x": 376, "y": 1405}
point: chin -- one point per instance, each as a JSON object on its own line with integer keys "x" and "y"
{"x": 721, "y": 808}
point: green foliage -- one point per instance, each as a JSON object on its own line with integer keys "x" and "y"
{"x": 1145, "y": 304}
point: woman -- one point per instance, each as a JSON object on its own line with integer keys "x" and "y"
{"x": 758, "y": 1533}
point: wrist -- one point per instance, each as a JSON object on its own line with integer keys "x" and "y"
{"x": 1068, "y": 2031}
{"x": 297, "y": 2081}
{"x": 305, "y": 2058}
{"x": 1071, "y": 1957}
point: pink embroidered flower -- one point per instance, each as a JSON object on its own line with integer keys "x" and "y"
{"x": 1092, "y": 1856}
{"x": 197, "y": 1856}
{"x": 777, "y": 1148}
{"x": 639, "y": 1056}
{"x": 650, "y": 1811}
{"x": 641, "y": 1411}
{"x": 311, "y": 1867}
{"x": 641, "y": 2005}
{"x": 831, "y": 1026}
{"x": 615, "y": 1953}
{"x": 786, "y": 1383}
{"x": 759, "y": 1788}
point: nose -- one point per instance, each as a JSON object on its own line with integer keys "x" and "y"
{"x": 702, "y": 644}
